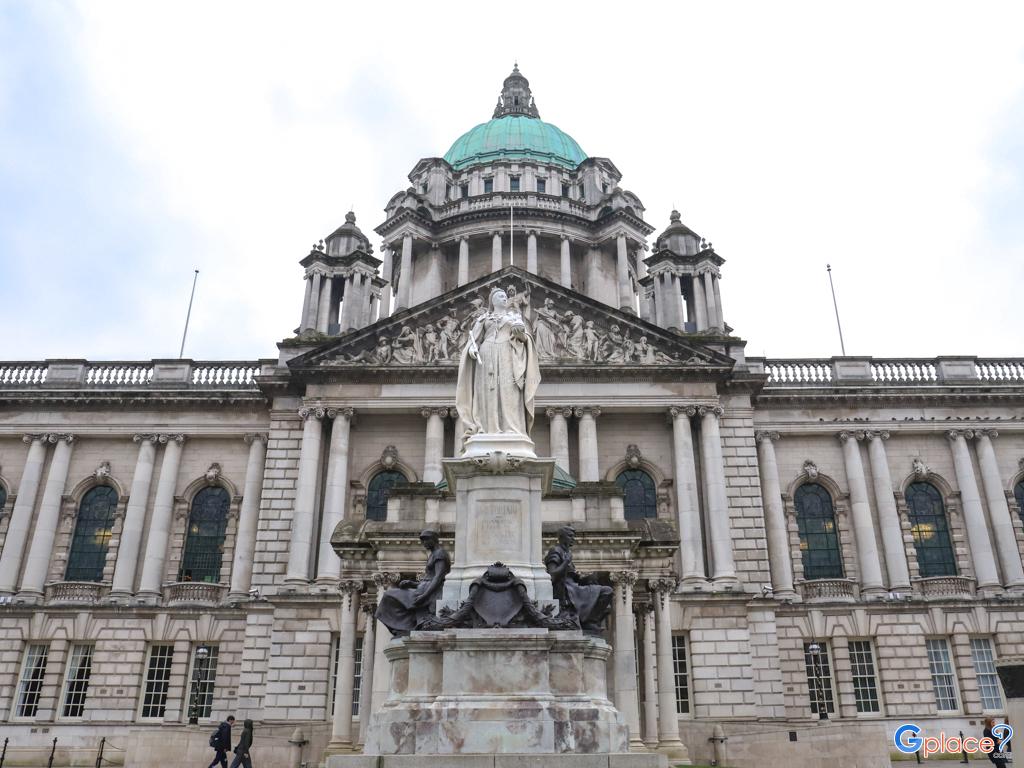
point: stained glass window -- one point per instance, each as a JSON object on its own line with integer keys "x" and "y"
{"x": 3, "y": 497}
{"x": 88, "y": 555}
{"x": 1018, "y": 493}
{"x": 819, "y": 537}
{"x": 928, "y": 525}
{"x": 377, "y": 493}
{"x": 641, "y": 499}
{"x": 204, "y": 541}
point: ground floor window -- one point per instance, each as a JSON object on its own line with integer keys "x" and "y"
{"x": 76, "y": 681}
{"x": 865, "y": 682}
{"x": 985, "y": 668}
{"x": 943, "y": 680}
{"x": 357, "y": 673}
{"x": 30, "y": 687}
{"x": 204, "y": 680}
{"x": 158, "y": 678}
{"x": 681, "y": 672}
{"x": 819, "y": 678}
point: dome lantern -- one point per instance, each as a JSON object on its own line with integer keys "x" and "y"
{"x": 516, "y": 98}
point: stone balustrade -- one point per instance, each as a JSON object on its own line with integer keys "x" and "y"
{"x": 867, "y": 371}
{"x": 76, "y": 592}
{"x": 944, "y": 587}
{"x": 524, "y": 200}
{"x": 152, "y": 374}
{"x": 194, "y": 593}
{"x": 827, "y": 590}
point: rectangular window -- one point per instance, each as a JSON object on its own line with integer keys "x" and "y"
{"x": 819, "y": 678}
{"x": 357, "y": 673}
{"x": 158, "y": 676}
{"x": 582, "y": 195}
{"x": 565, "y": 190}
{"x": 488, "y": 186}
{"x": 542, "y": 186}
{"x": 513, "y": 184}
{"x": 985, "y": 668}
{"x": 76, "y": 681}
{"x": 943, "y": 681}
{"x": 31, "y": 685}
{"x": 464, "y": 191}
{"x": 447, "y": 191}
{"x": 203, "y": 680}
{"x": 865, "y": 684}
{"x": 681, "y": 671}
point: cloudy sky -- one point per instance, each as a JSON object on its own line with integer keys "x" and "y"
{"x": 142, "y": 140}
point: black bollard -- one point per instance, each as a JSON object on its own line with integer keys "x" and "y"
{"x": 99, "y": 755}
{"x": 963, "y": 752}
{"x": 3, "y": 755}
{"x": 53, "y": 751}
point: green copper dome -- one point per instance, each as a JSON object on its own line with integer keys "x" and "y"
{"x": 515, "y": 137}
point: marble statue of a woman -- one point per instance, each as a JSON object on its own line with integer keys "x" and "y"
{"x": 498, "y": 379}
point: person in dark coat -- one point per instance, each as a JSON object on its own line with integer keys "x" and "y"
{"x": 221, "y": 742}
{"x": 998, "y": 759}
{"x": 242, "y": 757}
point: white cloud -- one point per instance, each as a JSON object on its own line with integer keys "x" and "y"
{"x": 790, "y": 135}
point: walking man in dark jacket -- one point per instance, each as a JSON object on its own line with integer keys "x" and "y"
{"x": 242, "y": 758}
{"x": 221, "y": 742}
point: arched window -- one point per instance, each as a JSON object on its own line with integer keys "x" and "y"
{"x": 641, "y": 499}
{"x": 377, "y": 493}
{"x": 204, "y": 540}
{"x": 819, "y": 538}
{"x": 88, "y": 554}
{"x": 3, "y": 497}
{"x": 928, "y": 524}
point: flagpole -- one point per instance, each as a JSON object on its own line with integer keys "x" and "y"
{"x": 188, "y": 315}
{"x": 511, "y": 234}
{"x": 835, "y": 306}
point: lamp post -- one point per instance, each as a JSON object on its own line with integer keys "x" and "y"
{"x": 819, "y": 689}
{"x": 198, "y": 675}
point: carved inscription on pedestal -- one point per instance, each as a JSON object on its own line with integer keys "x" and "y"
{"x": 497, "y": 528}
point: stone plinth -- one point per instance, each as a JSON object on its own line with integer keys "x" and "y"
{"x": 496, "y": 692}
{"x": 497, "y": 518}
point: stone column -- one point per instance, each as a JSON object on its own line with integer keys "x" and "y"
{"x": 589, "y": 459}
{"x": 366, "y": 666}
{"x": 888, "y": 515}
{"x": 348, "y": 312}
{"x": 714, "y": 319}
{"x": 779, "y": 558}
{"x": 974, "y": 516}
{"x": 668, "y": 717}
{"x": 463, "y": 261}
{"x": 306, "y": 300}
{"x": 715, "y": 284}
{"x": 300, "y": 543}
{"x": 248, "y": 518}
{"x": 999, "y": 512}
{"x": 495, "y": 251}
{"x": 381, "y": 666}
{"x": 404, "y": 298}
{"x": 691, "y": 540}
{"x": 645, "y": 620}
{"x": 717, "y": 501}
{"x": 531, "y": 252}
{"x": 674, "y": 310}
{"x": 127, "y": 562}
{"x": 659, "y": 300}
{"x": 37, "y": 563}
{"x": 21, "y": 515}
{"x": 152, "y": 581}
{"x": 565, "y": 273}
{"x": 559, "y": 435}
{"x": 644, "y": 298}
{"x": 433, "y": 451}
{"x": 700, "y": 304}
{"x": 385, "y": 292}
{"x": 341, "y": 731}
{"x": 309, "y": 319}
{"x": 622, "y": 275}
{"x": 335, "y": 494}
{"x": 624, "y": 660}
{"x": 860, "y": 512}
{"x": 323, "y": 315}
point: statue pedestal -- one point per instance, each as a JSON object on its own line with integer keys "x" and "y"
{"x": 496, "y": 692}
{"x": 508, "y": 443}
{"x": 497, "y": 518}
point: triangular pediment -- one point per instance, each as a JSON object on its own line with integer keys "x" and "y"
{"x": 570, "y": 330}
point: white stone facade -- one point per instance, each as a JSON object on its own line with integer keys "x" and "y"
{"x": 713, "y": 604}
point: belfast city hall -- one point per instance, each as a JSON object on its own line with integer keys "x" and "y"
{"x": 801, "y": 554}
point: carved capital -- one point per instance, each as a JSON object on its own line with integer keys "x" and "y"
{"x": 386, "y": 580}
{"x": 643, "y": 608}
{"x": 682, "y": 411}
{"x": 989, "y": 433}
{"x": 565, "y": 413}
{"x": 763, "y": 435}
{"x": 57, "y": 437}
{"x": 662, "y": 589}
{"x": 149, "y": 437}
{"x": 715, "y": 410}
{"x": 956, "y": 434}
{"x": 624, "y": 579}
{"x": 31, "y": 438}
{"x": 582, "y": 410}
{"x": 848, "y": 434}
{"x": 312, "y": 412}
{"x": 431, "y": 410}
{"x": 252, "y": 437}
{"x": 877, "y": 434}
{"x": 345, "y": 413}
{"x": 350, "y": 587}
{"x": 164, "y": 439}
{"x": 368, "y": 606}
